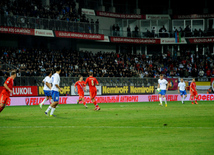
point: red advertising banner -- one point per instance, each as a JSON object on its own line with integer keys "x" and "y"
{"x": 77, "y": 35}
{"x": 118, "y": 15}
{"x": 16, "y": 30}
{"x": 23, "y": 91}
{"x": 173, "y": 83}
{"x": 200, "y": 40}
{"x": 134, "y": 40}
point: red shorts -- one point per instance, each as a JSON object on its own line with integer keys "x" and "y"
{"x": 4, "y": 99}
{"x": 81, "y": 94}
{"x": 194, "y": 93}
{"x": 93, "y": 93}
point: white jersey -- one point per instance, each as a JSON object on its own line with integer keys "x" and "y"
{"x": 55, "y": 80}
{"x": 163, "y": 84}
{"x": 182, "y": 86}
{"x": 48, "y": 80}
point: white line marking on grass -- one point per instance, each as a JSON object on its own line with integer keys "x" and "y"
{"x": 102, "y": 127}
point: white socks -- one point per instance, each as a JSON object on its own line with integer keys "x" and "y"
{"x": 49, "y": 108}
{"x": 160, "y": 100}
{"x": 44, "y": 101}
{"x": 165, "y": 100}
{"x": 182, "y": 99}
{"x": 52, "y": 111}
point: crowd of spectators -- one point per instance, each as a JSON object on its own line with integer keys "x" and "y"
{"x": 59, "y": 15}
{"x": 35, "y": 62}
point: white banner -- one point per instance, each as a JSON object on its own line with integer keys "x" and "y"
{"x": 157, "y": 17}
{"x": 44, "y": 33}
{"x": 172, "y": 41}
{"x": 99, "y": 92}
{"x": 88, "y": 12}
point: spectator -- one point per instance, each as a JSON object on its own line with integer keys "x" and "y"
{"x": 97, "y": 26}
{"x": 136, "y": 31}
{"x": 128, "y": 31}
{"x": 117, "y": 30}
{"x": 201, "y": 73}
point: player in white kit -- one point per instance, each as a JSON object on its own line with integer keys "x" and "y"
{"x": 182, "y": 90}
{"x": 55, "y": 92}
{"x": 47, "y": 88}
{"x": 163, "y": 85}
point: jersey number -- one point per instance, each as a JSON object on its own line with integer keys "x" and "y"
{"x": 92, "y": 82}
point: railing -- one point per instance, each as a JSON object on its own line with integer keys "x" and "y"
{"x": 48, "y": 24}
{"x": 68, "y": 81}
{"x": 83, "y": 27}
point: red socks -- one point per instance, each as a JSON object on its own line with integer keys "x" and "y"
{"x": 84, "y": 103}
{"x": 1, "y": 109}
{"x": 95, "y": 103}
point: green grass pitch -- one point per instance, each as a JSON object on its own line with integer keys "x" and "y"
{"x": 118, "y": 128}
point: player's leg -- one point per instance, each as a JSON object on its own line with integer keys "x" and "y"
{"x": 52, "y": 101}
{"x": 3, "y": 100}
{"x": 93, "y": 95}
{"x": 84, "y": 103}
{"x": 192, "y": 97}
{"x": 160, "y": 99}
{"x": 2, "y": 106}
{"x": 182, "y": 99}
{"x": 55, "y": 103}
{"x": 164, "y": 98}
{"x": 196, "y": 98}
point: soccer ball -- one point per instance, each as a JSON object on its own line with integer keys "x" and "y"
{"x": 158, "y": 89}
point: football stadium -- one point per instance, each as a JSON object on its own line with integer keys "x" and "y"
{"x": 104, "y": 77}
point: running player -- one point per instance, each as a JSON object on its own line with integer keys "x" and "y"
{"x": 92, "y": 82}
{"x": 182, "y": 90}
{"x": 5, "y": 93}
{"x": 47, "y": 88}
{"x": 55, "y": 92}
{"x": 162, "y": 85}
{"x": 80, "y": 85}
{"x": 193, "y": 91}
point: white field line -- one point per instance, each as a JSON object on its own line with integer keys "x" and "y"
{"x": 103, "y": 127}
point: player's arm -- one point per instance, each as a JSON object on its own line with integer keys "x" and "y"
{"x": 167, "y": 86}
{"x": 5, "y": 85}
{"x": 48, "y": 85}
{"x": 57, "y": 85}
{"x": 158, "y": 85}
{"x": 178, "y": 89}
{"x": 191, "y": 88}
{"x": 97, "y": 83}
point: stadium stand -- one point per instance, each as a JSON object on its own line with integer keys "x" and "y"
{"x": 34, "y": 62}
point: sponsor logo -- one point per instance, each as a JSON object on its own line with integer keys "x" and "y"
{"x": 115, "y": 90}
{"x": 37, "y": 100}
{"x": 142, "y": 90}
{"x": 65, "y": 90}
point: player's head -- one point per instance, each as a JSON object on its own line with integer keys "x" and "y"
{"x": 90, "y": 73}
{"x": 161, "y": 76}
{"x": 182, "y": 80}
{"x": 58, "y": 69}
{"x": 193, "y": 80}
{"x": 49, "y": 73}
{"x": 13, "y": 74}
{"x": 80, "y": 77}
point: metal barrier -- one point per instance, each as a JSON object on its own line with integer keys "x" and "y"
{"x": 68, "y": 81}
{"x": 48, "y": 24}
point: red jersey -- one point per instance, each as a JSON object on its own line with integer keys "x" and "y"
{"x": 92, "y": 82}
{"x": 9, "y": 83}
{"x": 80, "y": 85}
{"x": 193, "y": 86}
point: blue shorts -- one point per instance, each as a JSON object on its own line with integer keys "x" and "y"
{"x": 55, "y": 96}
{"x": 183, "y": 92}
{"x": 162, "y": 92}
{"x": 47, "y": 92}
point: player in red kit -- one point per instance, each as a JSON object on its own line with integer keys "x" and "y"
{"x": 92, "y": 82}
{"x": 193, "y": 91}
{"x": 80, "y": 85}
{"x": 5, "y": 93}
